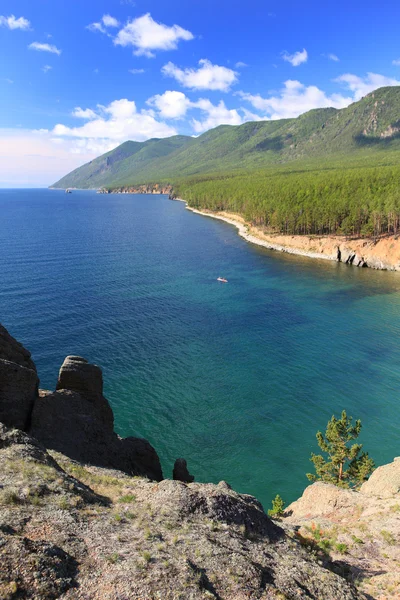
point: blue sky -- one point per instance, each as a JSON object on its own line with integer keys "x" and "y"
{"x": 78, "y": 78}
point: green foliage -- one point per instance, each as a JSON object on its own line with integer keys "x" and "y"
{"x": 341, "y": 548}
{"x": 336, "y": 444}
{"x": 127, "y": 498}
{"x": 368, "y": 128}
{"x": 327, "y": 172}
{"x": 278, "y": 506}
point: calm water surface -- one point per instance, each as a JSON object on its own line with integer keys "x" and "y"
{"x": 236, "y": 378}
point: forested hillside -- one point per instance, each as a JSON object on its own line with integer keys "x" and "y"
{"x": 327, "y": 171}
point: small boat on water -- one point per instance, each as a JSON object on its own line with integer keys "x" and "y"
{"x": 68, "y": 191}
{"x": 222, "y": 279}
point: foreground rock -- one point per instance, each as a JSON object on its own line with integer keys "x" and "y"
{"x": 78, "y": 421}
{"x": 18, "y": 382}
{"x": 75, "y": 419}
{"x": 74, "y": 532}
{"x": 359, "y": 530}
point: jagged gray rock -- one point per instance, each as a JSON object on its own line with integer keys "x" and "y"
{"x": 133, "y": 538}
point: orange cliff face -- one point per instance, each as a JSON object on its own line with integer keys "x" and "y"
{"x": 382, "y": 253}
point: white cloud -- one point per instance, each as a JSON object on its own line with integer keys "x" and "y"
{"x": 333, "y": 57}
{"x": 361, "y": 86}
{"x": 46, "y": 68}
{"x": 206, "y": 77}
{"x": 297, "y": 58}
{"x": 109, "y": 126}
{"x": 215, "y": 115}
{"x": 96, "y": 27}
{"x": 13, "y": 23}
{"x": 295, "y": 99}
{"x": 136, "y": 71}
{"x": 171, "y": 105}
{"x": 106, "y": 21}
{"x": 10, "y": 81}
{"x": 240, "y": 64}
{"x": 396, "y": 62}
{"x": 44, "y": 48}
{"x": 176, "y": 105}
{"x": 110, "y": 21}
{"x": 86, "y": 113}
{"x": 146, "y": 36}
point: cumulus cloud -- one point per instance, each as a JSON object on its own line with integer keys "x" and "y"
{"x": 240, "y": 64}
{"x": 333, "y": 57}
{"x": 46, "y": 68}
{"x": 361, "y": 86}
{"x": 396, "y": 62}
{"x": 146, "y": 35}
{"x": 206, "y": 77}
{"x": 175, "y": 105}
{"x": 44, "y": 48}
{"x": 297, "y": 58}
{"x": 136, "y": 71}
{"x": 215, "y": 115}
{"x": 170, "y": 105}
{"x": 13, "y": 23}
{"x": 108, "y": 126}
{"x": 86, "y": 113}
{"x": 294, "y": 99}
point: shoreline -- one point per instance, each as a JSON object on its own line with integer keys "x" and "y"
{"x": 382, "y": 255}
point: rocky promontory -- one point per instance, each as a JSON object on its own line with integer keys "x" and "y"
{"x": 85, "y": 514}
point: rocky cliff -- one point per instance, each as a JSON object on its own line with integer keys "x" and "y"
{"x": 382, "y": 253}
{"x": 86, "y": 515}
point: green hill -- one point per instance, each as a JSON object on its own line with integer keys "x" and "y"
{"x": 366, "y": 131}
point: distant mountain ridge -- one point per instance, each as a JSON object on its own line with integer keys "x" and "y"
{"x": 372, "y": 124}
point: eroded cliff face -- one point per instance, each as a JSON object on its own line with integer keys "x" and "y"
{"x": 382, "y": 253}
{"x": 71, "y": 527}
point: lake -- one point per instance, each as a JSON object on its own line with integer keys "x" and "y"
{"x": 236, "y": 378}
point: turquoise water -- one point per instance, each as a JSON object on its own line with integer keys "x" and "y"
{"x": 236, "y": 378}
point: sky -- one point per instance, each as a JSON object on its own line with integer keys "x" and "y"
{"x": 79, "y": 77}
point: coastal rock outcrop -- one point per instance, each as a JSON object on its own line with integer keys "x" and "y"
{"x": 78, "y": 421}
{"x": 384, "y": 481}
{"x": 19, "y": 382}
{"x": 75, "y": 419}
{"x": 360, "y": 529}
{"x": 180, "y": 471}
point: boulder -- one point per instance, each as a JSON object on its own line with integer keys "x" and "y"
{"x": 18, "y": 382}
{"x": 322, "y": 499}
{"x": 139, "y": 457}
{"x": 180, "y": 471}
{"x": 77, "y": 374}
{"x": 384, "y": 481}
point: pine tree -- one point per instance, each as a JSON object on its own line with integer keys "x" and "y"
{"x": 335, "y": 443}
{"x": 278, "y": 506}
